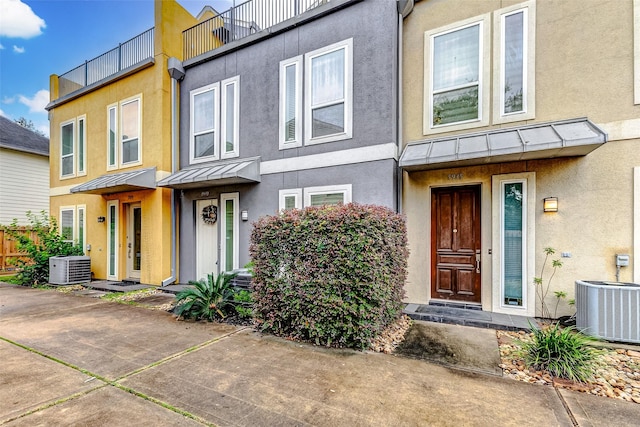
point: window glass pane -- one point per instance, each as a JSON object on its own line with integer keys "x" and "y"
{"x": 67, "y": 165}
{"x": 229, "y": 213}
{"x": 67, "y": 139}
{"x": 327, "y": 199}
{"x": 327, "y": 120}
{"x": 512, "y": 244}
{"x": 289, "y": 202}
{"x": 80, "y": 145}
{"x": 290, "y": 103}
{"x": 81, "y": 228}
{"x": 112, "y": 136}
{"x": 66, "y": 225}
{"x": 455, "y": 106}
{"x": 327, "y": 77}
{"x": 130, "y": 151}
{"x": 513, "y": 62}
{"x": 230, "y": 118}
{"x": 456, "y": 58}
{"x": 137, "y": 232}
{"x": 129, "y": 120}
{"x": 203, "y": 111}
{"x": 112, "y": 240}
{"x": 203, "y": 145}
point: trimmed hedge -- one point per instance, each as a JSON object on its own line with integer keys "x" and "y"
{"x": 333, "y": 275}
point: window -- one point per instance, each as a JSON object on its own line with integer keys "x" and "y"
{"x": 328, "y": 93}
{"x": 72, "y": 225}
{"x": 513, "y": 242}
{"x": 290, "y": 199}
{"x": 112, "y": 241}
{"x": 73, "y": 157}
{"x": 229, "y": 225}
{"x": 636, "y": 51}
{"x": 458, "y": 71}
{"x": 215, "y": 121}
{"x": 124, "y": 134}
{"x": 291, "y": 103}
{"x": 514, "y": 29}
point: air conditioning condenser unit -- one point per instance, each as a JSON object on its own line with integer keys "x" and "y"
{"x": 69, "y": 270}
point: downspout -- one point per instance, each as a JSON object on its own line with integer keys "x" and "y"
{"x": 177, "y": 74}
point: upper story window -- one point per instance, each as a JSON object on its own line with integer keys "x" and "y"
{"x": 124, "y": 135}
{"x": 328, "y": 95}
{"x": 458, "y": 71}
{"x": 215, "y": 111}
{"x": 296, "y": 198}
{"x": 73, "y": 148}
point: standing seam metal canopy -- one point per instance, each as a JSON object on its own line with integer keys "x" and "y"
{"x": 139, "y": 179}
{"x": 576, "y": 137}
{"x": 238, "y": 172}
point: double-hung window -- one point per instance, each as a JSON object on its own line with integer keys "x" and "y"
{"x": 296, "y": 198}
{"x": 215, "y": 111}
{"x": 124, "y": 133}
{"x": 328, "y": 96}
{"x": 73, "y": 147}
{"x": 72, "y": 225}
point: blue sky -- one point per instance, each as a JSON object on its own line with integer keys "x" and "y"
{"x": 43, "y": 37}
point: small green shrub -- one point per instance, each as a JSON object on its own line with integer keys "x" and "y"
{"x": 243, "y": 303}
{"x": 563, "y": 352}
{"x": 332, "y": 275}
{"x": 34, "y": 270}
{"x": 208, "y": 299}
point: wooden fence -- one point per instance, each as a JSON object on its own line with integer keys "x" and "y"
{"x": 8, "y": 250}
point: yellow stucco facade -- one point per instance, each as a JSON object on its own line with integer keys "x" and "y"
{"x": 579, "y": 64}
{"x": 124, "y": 242}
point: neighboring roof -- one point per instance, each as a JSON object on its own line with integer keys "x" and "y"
{"x": 139, "y": 179}
{"x": 568, "y": 138}
{"x": 238, "y": 172}
{"x": 18, "y": 138}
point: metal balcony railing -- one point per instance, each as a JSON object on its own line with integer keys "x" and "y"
{"x": 127, "y": 54}
{"x": 241, "y": 21}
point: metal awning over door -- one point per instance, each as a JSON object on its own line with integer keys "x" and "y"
{"x": 237, "y": 172}
{"x": 139, "y": 179}
{"x": 568, "y": 138}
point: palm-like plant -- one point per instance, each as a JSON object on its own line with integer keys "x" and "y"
{"x": 207, "y": 299}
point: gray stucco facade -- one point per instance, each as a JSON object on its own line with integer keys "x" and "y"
{"x": 365, "y": 161}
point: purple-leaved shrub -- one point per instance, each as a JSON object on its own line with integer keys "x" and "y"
{"x": 332, "y": 275}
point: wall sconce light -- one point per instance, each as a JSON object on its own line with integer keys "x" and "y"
{"x": 101, "y": 219}
{"x": 244, "y": 215}
{"x": 550, "y": 204}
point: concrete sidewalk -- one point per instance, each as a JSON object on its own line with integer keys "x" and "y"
{"x": 72, "y": 360}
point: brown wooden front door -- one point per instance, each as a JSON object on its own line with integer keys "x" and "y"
{"x": 455, "y": 243}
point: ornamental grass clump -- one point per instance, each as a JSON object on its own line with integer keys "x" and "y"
{"x": 330, "y": 275}
{"x": 563, "y": 352}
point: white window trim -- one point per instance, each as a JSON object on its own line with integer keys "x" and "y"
{"x": 636, "y": 224}
{"x": 81, "y": 212}
{"x": 223, "y": 229}
{"x": 110, "y": 249}
{"x": 71, "y": 209}
{"x": 295, "y": 192}
{"x": 235, "y": 82}
{"x": 529, "y": 58}
{"x": 82, "y": 119}
{"x": 120, "y": 142}
{"x": 483, "y": 78}
{"x": 345, "y": 189}
{"x": 297, "y": 142}
{"x": 215, "y": 87}
{"x": 347, "y": 45}
{"x": 115, "y": 142}
{"x": 636, "y": 51}
{"x": 73, "y": 155}
{"x": 528, "y": 307}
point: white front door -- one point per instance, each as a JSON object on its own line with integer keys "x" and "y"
{"x": 134, "y": 241}
{"x": 206, "y": 238}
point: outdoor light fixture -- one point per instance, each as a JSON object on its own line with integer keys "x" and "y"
{"x": 101, "y": 219}
{"x": 245, "y": 215}
{"x": 551, "y": 204}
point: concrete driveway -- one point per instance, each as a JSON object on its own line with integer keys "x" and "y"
{"x": 72, "y": 360}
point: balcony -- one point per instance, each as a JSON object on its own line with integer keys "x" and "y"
{"x": 241, "y": 21}
{"x": 126, "y": 55}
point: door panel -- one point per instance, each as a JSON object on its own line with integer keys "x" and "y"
{"x": 134, "y": 241}
{"x": 206, "y": 238}
{"x": 455, "y": 243}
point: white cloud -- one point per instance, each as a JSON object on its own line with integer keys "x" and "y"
{"x": 3, "y": 114}
{"x": 44, "y": 128}
{"x": 17, "y": 49}
{"x": 8, "y": 100}
{"x": 37, "y": 103}
{"x": 18, "y": 20}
